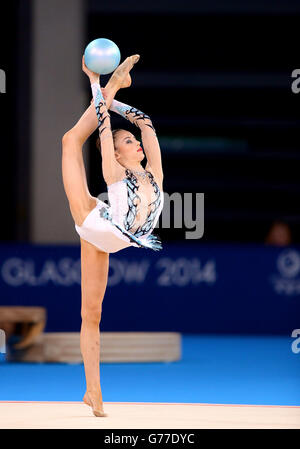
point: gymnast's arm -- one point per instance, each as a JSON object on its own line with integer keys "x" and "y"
{"x": 88, "y": 122}
{"x": 149, "y": 138}
{"x": 112, "y": 170}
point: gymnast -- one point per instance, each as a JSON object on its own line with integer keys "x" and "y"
{"x": 135, "y": 199}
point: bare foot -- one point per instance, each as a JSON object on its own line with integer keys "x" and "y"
{"x": 121, "y": 75}
{"x": 86, "y": 399}
{"x": 97, "y": 406}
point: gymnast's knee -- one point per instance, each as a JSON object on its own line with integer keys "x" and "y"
{"x": 91, "y": 314}
{"x": 70, "y": 137}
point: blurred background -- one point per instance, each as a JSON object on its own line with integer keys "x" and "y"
{"x": 216, "y": 79}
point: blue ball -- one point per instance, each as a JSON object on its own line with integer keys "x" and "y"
{"x": 102, "y": 56}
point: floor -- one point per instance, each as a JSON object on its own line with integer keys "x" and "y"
{"x": 214, "y": 371}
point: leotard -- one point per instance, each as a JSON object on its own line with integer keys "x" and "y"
{"x": 128, "y": 220}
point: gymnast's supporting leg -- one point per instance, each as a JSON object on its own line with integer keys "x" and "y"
{"x": 94, "y": 273}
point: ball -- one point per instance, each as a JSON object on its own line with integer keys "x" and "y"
{"x": 102, "y": 56}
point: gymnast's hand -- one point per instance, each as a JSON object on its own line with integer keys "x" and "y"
{"x": 94, "y": 77}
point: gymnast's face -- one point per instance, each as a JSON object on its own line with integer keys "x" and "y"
{"x": 127, "y": 147}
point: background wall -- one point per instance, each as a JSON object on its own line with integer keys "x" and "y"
{"x": 57, "y": 101}
{"x": 216, "y": 80}
{"x": 211, "y": 289}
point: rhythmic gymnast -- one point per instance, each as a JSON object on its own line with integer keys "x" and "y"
{"x": 135, "y": 202}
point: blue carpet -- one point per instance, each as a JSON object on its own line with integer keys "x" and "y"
{"x": 213, "y": 369}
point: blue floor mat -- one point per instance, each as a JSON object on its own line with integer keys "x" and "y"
{"x": 214, "y": 369}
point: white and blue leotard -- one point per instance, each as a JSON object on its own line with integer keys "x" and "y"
{"x": 122, "y": 223}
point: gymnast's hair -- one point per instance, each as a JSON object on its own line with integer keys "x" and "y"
{"x": 114, "y": 134}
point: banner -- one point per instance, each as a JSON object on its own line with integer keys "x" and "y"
{"x": 187, "y": 287}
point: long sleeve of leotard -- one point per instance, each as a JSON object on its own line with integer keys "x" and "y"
{"x": 134, "y": 115}
{"x": 103, "y": 116}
